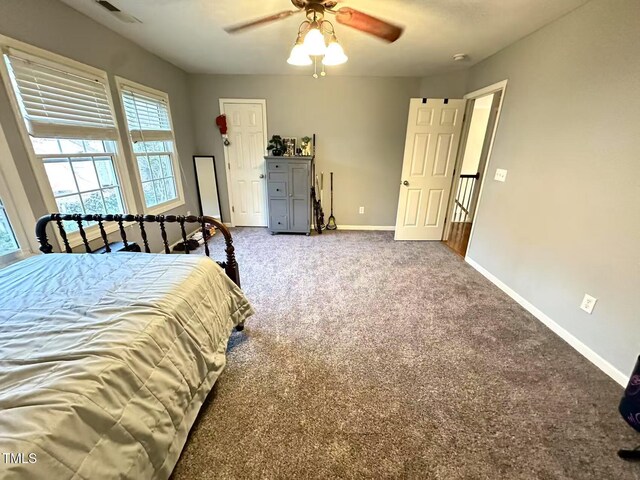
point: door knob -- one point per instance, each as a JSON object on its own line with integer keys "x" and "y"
{"x": 262, "y": 175}
{"x": 291, "y": 194}
{"x": 405, "y": 183}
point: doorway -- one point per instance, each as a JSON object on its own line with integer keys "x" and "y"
{"x": 483, "y": 111}
{"x": 433, "y": 134}
{"x": 244, "y": 160}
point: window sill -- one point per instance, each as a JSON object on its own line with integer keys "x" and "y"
{"x": 165, "y": 207}
{"x": 13, "y": 257}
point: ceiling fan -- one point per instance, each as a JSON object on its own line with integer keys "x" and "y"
{"x": 311, "y": 33}
{"x": 345, "y": 15}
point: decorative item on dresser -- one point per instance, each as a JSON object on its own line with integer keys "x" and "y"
{"x": 305, "y": 146}
{"x": 289, "y": 146}
{"x": 289, "y": 187}
{"x": 276, "y": 146}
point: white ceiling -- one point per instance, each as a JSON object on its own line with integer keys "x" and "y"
{"x": 189, "y": 33}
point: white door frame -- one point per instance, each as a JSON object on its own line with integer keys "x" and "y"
{"x": 263, "y": 102}
{"x": 496, "y": 87}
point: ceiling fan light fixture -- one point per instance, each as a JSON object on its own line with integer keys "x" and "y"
{"x": 335, "y": 54}
{"x": 314, "y": 42}
{"x": 299, "y": 56}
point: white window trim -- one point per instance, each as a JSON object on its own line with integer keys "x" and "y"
{"x": 44, "y": 186}
{"x": 16, "y": 205}
{"x": 122, "y": 84}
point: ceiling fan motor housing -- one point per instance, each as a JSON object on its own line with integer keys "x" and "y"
{"x": 314, "y": 3}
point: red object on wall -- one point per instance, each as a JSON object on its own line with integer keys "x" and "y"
{"x": 221, "y": 122}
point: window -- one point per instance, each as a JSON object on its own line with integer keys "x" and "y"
{"x": 149, "y": 123}
{"x": 8, "y": 241}
{"x": 82, "y": 175}
{"x": 69, "y": 118}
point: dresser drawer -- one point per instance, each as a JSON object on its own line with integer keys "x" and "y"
{"x": 277, "y": 177}
{"x": 277, "y": 166}
{"x": 278, "y": 207}
{"x": 277, "y": 189}
{"x": 279, "y": 224}
{"x": 278, "y": 214}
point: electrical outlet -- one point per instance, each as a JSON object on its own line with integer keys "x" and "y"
{"x": 188, "y": 212}
{"x": 501, "y": 175}
{"x": 361, "y": 210}
{"x": 588, "y": 302}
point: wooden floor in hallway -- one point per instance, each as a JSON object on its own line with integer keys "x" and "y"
{"x": 459, "y": 237}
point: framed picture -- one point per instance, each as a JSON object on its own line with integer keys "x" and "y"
{"x": 289, "y": 146}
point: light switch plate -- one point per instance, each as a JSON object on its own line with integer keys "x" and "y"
{"x": 361, "y": 210}
{"x": 501, "y": 175}
{"x": 588, "y": 302}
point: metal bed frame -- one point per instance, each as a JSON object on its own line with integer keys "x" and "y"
{"x": 230, "y": 266}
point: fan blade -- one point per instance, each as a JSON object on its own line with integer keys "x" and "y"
{"x": 366, "y": 23}
{"x": 261, "y": 21}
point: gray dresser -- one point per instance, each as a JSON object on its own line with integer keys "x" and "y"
{"x": 289, "y": 191}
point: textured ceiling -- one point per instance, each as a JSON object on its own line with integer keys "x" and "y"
{"x": 189, "y": 33}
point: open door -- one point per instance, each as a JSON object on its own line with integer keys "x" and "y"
{"x": 433, "y": 136}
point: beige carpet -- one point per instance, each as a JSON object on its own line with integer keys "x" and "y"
{"x": 375, "y": 359}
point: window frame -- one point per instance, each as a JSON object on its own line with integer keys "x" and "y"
{"x": 16, "y": 206}
{"x": 124, "y": 84}
{"x": 40, "y": 174}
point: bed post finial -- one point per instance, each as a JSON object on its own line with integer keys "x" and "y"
{"x": 231, "y": 266}
{"x": 41, "y": 232}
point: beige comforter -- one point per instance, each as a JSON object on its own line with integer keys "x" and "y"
{"x": 105, "y": 361}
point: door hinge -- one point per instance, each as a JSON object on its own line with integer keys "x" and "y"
{"x": 233, "y": 209}
{"x": 229, "y": 166}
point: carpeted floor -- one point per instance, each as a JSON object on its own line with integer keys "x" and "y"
{"x": 369, "y": 358}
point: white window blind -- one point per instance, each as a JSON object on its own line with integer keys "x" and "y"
{"x": 147, "y": 116}
{"x": 57, "y": 102}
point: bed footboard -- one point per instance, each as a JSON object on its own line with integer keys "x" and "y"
{"x": 230, "y": 265}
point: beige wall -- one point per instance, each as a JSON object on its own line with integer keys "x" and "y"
{"x": 446, "y": 85}
{"x": 567, "y": 220}
{"x": 360, "y": 125}
{"x": 54, "y": 26}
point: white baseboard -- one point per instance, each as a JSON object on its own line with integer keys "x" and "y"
{"x": 380, "y": 228}
{"x": 583, "y": 349}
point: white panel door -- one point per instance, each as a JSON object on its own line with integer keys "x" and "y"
{"x": 245, "y": 162}
{"x": 433, "y": 135}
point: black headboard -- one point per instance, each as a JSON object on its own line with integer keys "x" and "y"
{"x": 230, "y": 265}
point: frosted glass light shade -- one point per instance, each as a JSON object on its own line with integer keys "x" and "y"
{"x": 314, "y": 42}
{"x": 334, "y": 55}
{"x": 299, "y": 56}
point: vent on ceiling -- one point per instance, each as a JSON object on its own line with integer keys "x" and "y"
{"x": 116, "y": 12}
